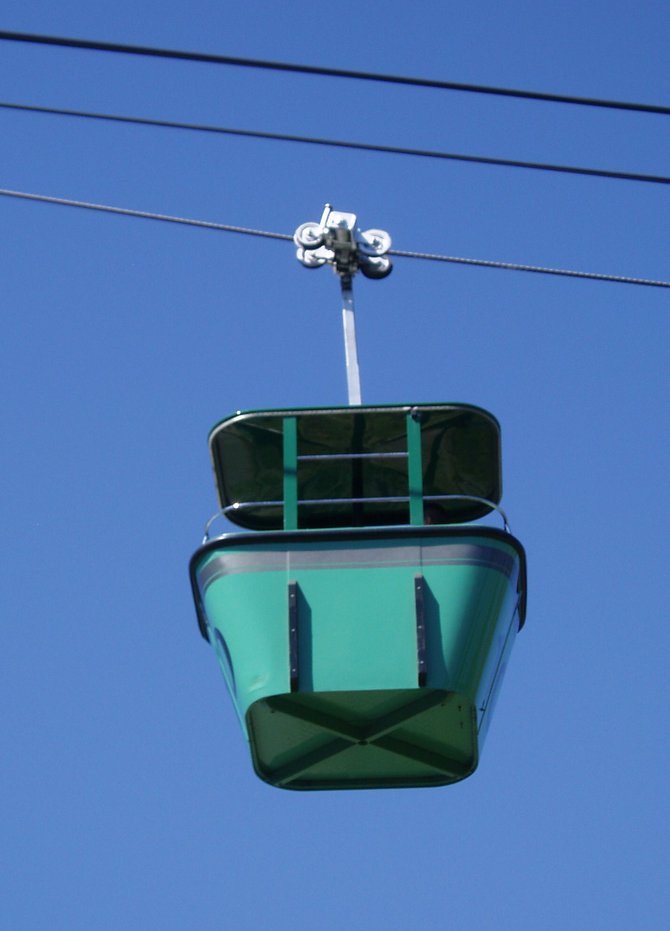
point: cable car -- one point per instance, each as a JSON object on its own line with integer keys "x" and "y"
{"x": 363, "y": 616}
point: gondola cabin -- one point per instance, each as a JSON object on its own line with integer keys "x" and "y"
{"x": 363, "y": 616}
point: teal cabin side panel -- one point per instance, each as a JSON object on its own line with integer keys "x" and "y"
{"x": 471, "y": 597}
{"x": 470, "y": 600}
{"x": 248, "y": 613}
{"x": 503, "y": 636}
{"x": 487, "y": 702}
{"x": 357, "y": 615}
{"x": 357, "y": 628}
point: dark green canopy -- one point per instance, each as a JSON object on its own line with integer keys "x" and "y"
{"x": 357, "y": 466}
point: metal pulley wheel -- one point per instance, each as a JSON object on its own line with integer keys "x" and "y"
{"x": 373, "y": 242}
{"x": 376, "y": 267}
{"x": 309, "y": 236}
{"x": 310, "y": 258}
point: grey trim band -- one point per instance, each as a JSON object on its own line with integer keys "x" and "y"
{"x": 382, "y": 535}
{"x": 305, "y": 557}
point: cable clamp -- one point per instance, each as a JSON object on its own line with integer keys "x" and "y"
{"x": 336, "y": 240}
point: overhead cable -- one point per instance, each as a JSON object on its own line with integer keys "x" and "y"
{"x": 339, "y": 143}
{"x": 143, "y": 215}
{"x": 536, "y": 269}
{"x": 427, "y": 256}
{"x": 263, "y": 64}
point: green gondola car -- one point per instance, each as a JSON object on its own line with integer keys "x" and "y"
{"x": 364, "y": 617}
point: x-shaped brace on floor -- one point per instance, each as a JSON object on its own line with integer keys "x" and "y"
{"x": 378, "y": 733}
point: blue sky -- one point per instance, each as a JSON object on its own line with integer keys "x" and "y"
{"x": 126, "y": 791}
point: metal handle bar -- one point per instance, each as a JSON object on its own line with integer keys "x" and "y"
{"x": 316, "y": 456}
{"x": 245, "y": 505}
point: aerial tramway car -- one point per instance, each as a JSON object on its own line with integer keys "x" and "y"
{"x": 364, "y": 617}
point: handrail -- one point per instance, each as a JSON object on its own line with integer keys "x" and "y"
{"x": 312, "y": 457}
{"x": 244, "y": 505}
{"x": 491, "y": 504}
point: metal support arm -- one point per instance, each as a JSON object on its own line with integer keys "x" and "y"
{"x": 337, "y": 241}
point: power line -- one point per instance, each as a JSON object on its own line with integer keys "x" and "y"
{"x": 426, "y": 256}
{"x": 343, "y": 144}
{"x": 263, "y": 64}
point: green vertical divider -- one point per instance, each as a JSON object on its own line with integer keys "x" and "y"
{"x": 414, "y": 470}
{"x": 290, "y": 434}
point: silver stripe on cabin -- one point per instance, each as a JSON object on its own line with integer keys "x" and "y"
{"x": 374, "y": 557}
